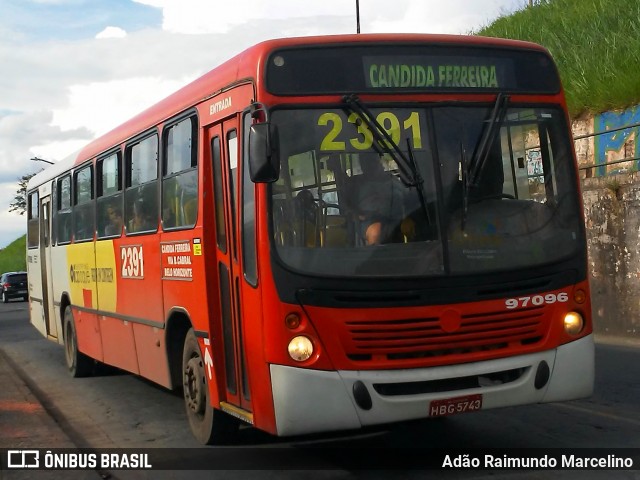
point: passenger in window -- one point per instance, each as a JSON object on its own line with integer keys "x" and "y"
{"x": 168, "y": 218}
{"x": 84, "y": 225}
{"x": 306, "y": 212}
{"x": 64, "y": 227}
{"x": 375, "y": 197}
{"x": 114, "y": 216}
{"x": 141, "y": 220}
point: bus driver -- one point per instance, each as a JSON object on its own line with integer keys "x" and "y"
{"x": 375, "y": 197}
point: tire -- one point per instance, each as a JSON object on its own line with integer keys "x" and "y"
{"x": 5, "y": 298}
{"x": 78, "y": 364}
{"x": 209, "y": 425}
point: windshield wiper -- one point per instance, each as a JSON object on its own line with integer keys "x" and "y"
{"x": 488, "y": 137}
{"x": 471, "y": 170}
{"x": 464, "y": 168}
{"x": 383, "y": 143}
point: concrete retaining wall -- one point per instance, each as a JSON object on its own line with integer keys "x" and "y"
{"x": 611, "y": 195}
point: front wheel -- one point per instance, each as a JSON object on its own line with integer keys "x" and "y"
{"x": 209, "y": 425}
{"x": 78, "y": 364}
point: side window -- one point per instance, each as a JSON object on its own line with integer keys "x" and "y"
{"x": 33, "y": 231}
{"x": 63, "y": 209}
{"x": 141, "y": 193}
{"x": 83, "y": 213}
{"x": 232, "y": 151}
{"x": 109, "y": 192}
{"x": 180, "y": 182}
{"x": 248, "y": 212}
{"x": 527, "y": 158}
{"x": 216, "y": 158}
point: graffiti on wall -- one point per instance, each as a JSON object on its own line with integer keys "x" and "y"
{"x": 617, "y": 145}
{"x": 534, "y": 163}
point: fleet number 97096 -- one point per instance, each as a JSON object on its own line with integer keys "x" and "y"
{"x": 536, "y": 300}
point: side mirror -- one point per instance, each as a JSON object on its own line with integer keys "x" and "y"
{"x": 264, "y": 164}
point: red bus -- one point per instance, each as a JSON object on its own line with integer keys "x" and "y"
{"x": 326, "y": 233}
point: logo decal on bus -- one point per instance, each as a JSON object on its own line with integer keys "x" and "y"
{"x": 81, "y": 273}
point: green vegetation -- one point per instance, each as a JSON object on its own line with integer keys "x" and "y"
{"x": 13, "y": 258}
{"x": 596, "y": 44}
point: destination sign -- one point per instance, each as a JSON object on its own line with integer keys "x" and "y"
{"x": 426, "y": 72}
{"x": 357, "y": 68}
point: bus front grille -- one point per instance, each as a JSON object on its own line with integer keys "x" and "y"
{"x": 405, "y": 339}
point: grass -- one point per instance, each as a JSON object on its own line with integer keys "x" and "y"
{"x": 595, "y": 43}
{"x": 14, "y": 258}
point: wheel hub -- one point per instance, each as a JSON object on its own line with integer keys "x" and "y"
{"x": 194, "y": 385}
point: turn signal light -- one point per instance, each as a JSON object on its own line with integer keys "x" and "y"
{"x": 292, "y": 321}
{"x": 580, "y": 296}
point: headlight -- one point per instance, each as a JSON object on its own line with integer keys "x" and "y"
{"x": 300, "y": 348}
{"x": 573, "y": 323}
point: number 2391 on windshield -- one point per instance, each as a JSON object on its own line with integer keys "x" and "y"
{"x": 340, "y": 132}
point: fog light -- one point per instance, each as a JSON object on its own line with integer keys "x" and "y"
{"x": 573, "y": 323}
{"x": 300, "y": 348}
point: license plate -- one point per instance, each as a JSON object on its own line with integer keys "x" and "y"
{"x": 23, "y": 292}
{"x": 452, "y": 406}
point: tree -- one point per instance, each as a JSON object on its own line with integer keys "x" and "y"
{"x": 19, "y": 203}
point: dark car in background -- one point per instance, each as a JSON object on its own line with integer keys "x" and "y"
{"x": 14, "y": 285}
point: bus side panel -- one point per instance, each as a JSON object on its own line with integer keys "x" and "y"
{"x": 106, "y": 276}
{"x": 59, "y": 276}
{"x": 140, "y": 300}
{"x": 118, "y": 343}
{"x": 117, "y": 335}
{"x": 34, "y": 275}
{"x": 138, "y": 277}
{"x": 183, "y": 275}
{"x": 81, "y": 268}
{"x": 151, "y": 350}
{"x": 88, "y": 333}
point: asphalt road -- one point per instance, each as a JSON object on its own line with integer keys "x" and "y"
{"x": 116, "y": 409}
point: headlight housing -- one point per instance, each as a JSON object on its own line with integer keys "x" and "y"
{"x": 573, "y": 323}
{"x": 300, "y": 348}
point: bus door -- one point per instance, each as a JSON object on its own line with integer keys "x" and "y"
{"x": 45, "y": 267}
{"x": 224, "y": 143}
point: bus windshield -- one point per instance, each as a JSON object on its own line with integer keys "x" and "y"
{"x": 427, "y": 196}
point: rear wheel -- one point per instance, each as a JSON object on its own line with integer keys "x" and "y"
{"x": 5, "y": 297}
{"x": 78, "y": 364}
{"x": 209, "y": 425}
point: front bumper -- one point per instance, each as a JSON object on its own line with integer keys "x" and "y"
{"x": 309, "y": 401}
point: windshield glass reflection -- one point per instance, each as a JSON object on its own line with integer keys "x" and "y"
{"x": 343, "y": 207}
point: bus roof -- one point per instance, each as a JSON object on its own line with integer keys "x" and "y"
{"x": 245, "y": 66}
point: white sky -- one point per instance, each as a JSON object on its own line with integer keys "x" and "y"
{"x": 74, "y": 69}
